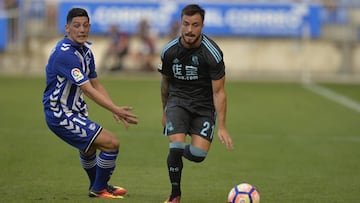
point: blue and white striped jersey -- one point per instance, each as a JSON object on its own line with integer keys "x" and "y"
{"x": 70, "y": 65}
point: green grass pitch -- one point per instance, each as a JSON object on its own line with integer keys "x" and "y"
{"x": 295, "y": 146}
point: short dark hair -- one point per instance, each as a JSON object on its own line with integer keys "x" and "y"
{"x": 76, "y": 12}
{"x": 193, "y": 9}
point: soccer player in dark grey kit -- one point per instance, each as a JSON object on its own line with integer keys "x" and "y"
{"x": 193, "y": 95}
{"x": 70, "y": 74}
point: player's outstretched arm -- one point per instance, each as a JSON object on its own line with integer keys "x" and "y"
{"x": 95, "y": 91}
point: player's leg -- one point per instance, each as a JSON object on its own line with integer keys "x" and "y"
{"x": 197, "y": 150}
{"x": 108, "y": 145}
{"x": 87, "y": 136}
{"x": 177, "y": 125}
{"x": 106, "y": 141}
{"x": 175, "y": 163}
{"x": 202, "y": 131}
{"x": 88, "y": 162}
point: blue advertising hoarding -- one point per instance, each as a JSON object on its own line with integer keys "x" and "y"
{"x": 3, "y": 32}
{"x": 230, "y": 19}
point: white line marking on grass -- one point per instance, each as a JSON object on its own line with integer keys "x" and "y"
{"x": 341, "y": 99}
{"x": 305, "y": 138}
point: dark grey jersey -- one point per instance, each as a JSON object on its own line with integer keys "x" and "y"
{"x": 191, "y": 71}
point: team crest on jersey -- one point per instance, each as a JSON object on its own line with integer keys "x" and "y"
{"x": 176, "y": 60}
{"x": 76, "y": 74}
{"x": 195, "y": 60}
{"x": 169, "y": 126}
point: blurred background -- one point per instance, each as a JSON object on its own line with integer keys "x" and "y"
{"x": 298, "y": 40}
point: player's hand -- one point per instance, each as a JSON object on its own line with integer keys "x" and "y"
{"x": 123, "y": 115}
{"x": 225, "y": 138}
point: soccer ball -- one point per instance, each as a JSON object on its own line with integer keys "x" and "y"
{"x": 244, "y": 193}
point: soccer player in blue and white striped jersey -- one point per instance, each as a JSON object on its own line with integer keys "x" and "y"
{"x": 193, "y": 95}
{"x": 70, "y": 74}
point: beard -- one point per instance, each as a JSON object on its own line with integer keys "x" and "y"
{"x": 190, "y": 39}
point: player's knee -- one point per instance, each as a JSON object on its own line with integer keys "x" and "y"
{"x": 194, "y": 154}
{"x": 107, "y": 141}
{"x": 177, "y": 147}
{"x": 113, "y": 144}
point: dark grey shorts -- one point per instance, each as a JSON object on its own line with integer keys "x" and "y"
{"x": 185, "y": 120}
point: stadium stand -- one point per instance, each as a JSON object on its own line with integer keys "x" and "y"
{"x": 332, "y": 55}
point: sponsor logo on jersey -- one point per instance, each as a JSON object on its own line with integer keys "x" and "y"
{"x": 76, "y": 74}
{"x": 185, "y": 73}
{"x": 92, "y": 126}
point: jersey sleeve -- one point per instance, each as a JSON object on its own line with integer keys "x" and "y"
{"x": 214, "y": 57}
{"x": 69, "y": 66}
{"x": 217, "y": 68}
{"x": 163, "y": 66}
{"x": 218, "y": 71}
{"x": 165, "y": 56}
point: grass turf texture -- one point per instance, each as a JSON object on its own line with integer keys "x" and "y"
{"x": 293, "y": 145}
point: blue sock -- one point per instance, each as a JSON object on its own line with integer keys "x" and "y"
{"x": 105, "y": 166}
{"x": 89, "y": 165}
